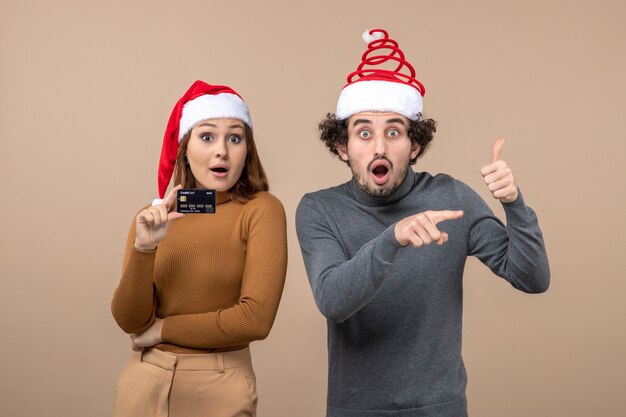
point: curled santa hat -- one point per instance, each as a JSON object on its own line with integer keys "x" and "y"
{"x": 202, "y": 101}
{"x": 372, "y": 87}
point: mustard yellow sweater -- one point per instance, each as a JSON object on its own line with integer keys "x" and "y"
{"x": 216, "y": 279}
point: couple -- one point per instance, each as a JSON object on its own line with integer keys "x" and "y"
{"x": 384, "y": 270}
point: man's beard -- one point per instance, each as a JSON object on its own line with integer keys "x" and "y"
{"x": 378, "y": 191}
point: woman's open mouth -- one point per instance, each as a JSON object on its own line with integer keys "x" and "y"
{"x": 219, "y": 171}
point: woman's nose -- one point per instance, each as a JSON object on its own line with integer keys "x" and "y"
{"x": 221, "y": 148}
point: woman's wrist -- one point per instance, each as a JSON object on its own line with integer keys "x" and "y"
{"x": 144, "y": 248}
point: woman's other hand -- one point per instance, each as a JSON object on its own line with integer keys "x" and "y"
{"x": 149, "y": 337}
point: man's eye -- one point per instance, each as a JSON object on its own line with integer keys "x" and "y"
{"x": 364, "y": 134}
{"x": 234, "y": 139}
{"x": 206, "y": 137}
{"x": 393, "y": 133}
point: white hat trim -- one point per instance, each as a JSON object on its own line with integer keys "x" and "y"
{"x": 379, "y": 96}
{"x": 212, "y": 106}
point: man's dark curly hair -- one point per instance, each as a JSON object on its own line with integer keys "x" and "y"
{"x": 334, "y": 133}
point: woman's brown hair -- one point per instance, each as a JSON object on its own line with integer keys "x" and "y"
{"x": 251, "y": 181}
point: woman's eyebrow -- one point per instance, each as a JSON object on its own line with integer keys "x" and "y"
{"x": 207, "y": 124}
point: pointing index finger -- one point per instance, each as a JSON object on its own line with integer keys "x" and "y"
{"x": 497, "y": 149}
{"x": 443, "y": 215}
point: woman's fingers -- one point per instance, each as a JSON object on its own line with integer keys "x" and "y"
{"x": 170, "y": 198}
{"x": 157, "y": 216}
{"x": 153, "y": 222}
{"x": 156, "y": 213}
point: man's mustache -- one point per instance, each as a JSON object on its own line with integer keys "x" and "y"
{"x": 379, "y": 157}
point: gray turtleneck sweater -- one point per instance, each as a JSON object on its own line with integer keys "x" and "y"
{"x": 394, "y": 313}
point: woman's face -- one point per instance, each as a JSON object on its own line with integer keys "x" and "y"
{"x": 217, "y": 153}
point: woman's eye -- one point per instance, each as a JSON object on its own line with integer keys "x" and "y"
{"x": 364, "y": 134}
{"x": 234, "y": 139}
{"x": 206, "y": 137}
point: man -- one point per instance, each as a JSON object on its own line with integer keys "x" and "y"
{"x": 385, "y": 251}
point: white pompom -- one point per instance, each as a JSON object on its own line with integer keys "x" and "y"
{"x": 369, "y": 38}
{"x": 156, "y": 202}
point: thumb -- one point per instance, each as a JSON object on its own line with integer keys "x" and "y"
{"x": 173, "y": 215}
{"x": 497, "y": 149}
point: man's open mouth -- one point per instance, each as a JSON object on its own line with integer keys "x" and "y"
{"x": 380, "y": 169}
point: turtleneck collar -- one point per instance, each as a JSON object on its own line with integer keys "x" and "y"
{"x": 222, "y": 197}
{"x": 363, "y": 197}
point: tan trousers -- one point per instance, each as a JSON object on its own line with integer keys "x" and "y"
{"x": 160, "y": 384}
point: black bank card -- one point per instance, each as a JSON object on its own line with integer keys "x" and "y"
{"x": 195, "y": 201}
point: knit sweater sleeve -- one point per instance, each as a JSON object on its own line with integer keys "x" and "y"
{"x": 515, "y": 252}
{"x": 134, "y": 303}
{"x": 252, "y": 317}
{"x": 341, "y": 286}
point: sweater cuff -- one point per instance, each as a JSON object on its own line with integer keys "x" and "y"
{"x": 141, "y": 260}
{"x": 144, "y": 251}
{"x": 165, "y": 336}
{"x": 517, "y": 211}
{"x": 388, "y": 246}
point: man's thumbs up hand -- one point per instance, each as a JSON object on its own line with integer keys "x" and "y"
{"x": 498, "y": 176}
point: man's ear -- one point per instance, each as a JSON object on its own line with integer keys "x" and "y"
{"x": 415, "y": 149}
{"x": 341, "y": 150}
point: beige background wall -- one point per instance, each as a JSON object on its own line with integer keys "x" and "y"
{"x": 85, "y": 92}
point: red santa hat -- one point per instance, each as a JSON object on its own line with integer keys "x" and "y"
{"x": 201, "y": 101}
{"x": 373, "y": 88}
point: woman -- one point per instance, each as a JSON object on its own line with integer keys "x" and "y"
{"x": 196, "y": 289}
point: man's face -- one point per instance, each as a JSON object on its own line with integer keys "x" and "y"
{"x": 379, "y": 151}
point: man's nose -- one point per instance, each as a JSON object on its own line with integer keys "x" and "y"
{"x": 380, "y": 144}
